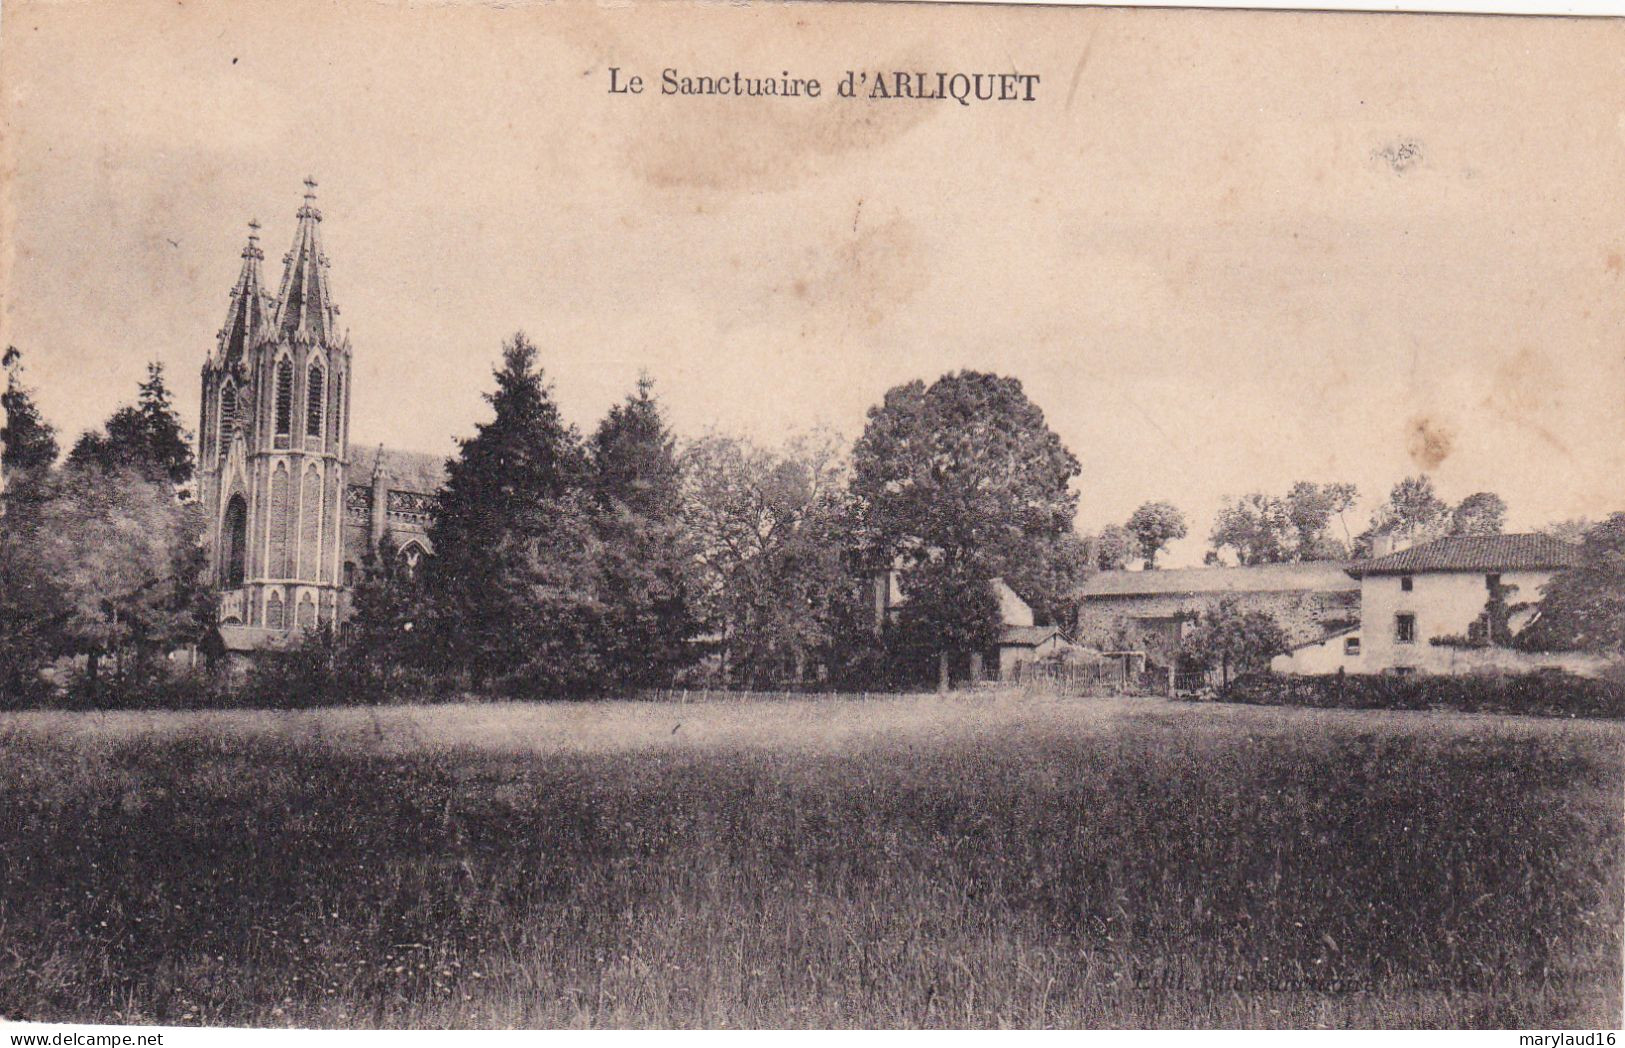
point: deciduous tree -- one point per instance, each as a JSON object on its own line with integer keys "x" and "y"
{"x": 1481, "y": 513}
{"x": 123, "y": 564}
{"x": 769, "y": 528}
{"x": 1154, "y": 525}
{"x": 1583, "y": 607}
{"x": 1114, "y": 548}
{"x": 1413, "y": 513}
{"x": 1235, "y": 639}
{"x": 1262, "y": 529}
{"x": 961, "y": 482}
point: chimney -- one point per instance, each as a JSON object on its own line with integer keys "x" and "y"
{"x": 1382, "y": 544}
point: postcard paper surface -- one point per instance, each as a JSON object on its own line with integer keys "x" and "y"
{"x": 932, "y": 357}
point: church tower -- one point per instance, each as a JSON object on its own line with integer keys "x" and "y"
{"x": 273, "y": 440}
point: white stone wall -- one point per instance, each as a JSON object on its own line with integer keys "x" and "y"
{"x": 1445, "y": 603}
{"x": 1329, "y": 656}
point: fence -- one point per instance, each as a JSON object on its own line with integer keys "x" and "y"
{"x": 1109, "y": 678}
{"x": 1083, "y": 679}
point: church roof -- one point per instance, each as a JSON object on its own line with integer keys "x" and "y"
{"x": 416, "y": 471}
{"x": 248, "y": 317}
{"x": 304, "y": 304}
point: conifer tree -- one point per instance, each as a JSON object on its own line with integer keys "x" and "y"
{"x": 148, "y": 437}
{"x": 381, "y": 639}
{"x": 29, "y": 441}
{"x": 30, "y": 598}
{"x": 645, "y": 559}
{"x": 511, "y": 586}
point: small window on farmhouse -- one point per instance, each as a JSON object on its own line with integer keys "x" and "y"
{"x": 1404, "y": 671}
{"x": 1405, "y": 629}
{"x": 1351, "y": 646}
{"x": 1492, "y": 582}
{"x": 1405, "y": 583}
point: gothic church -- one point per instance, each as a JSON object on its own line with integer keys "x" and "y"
{"x": 294, "y": 506}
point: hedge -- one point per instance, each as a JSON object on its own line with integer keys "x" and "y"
{"x": 1542, "y": 694}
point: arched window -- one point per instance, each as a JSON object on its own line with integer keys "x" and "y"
{"x": 284, "y": 398}
{"x": 338, "y": 407}
{"x": 408, "y": 558}
{"x": 233, "y": 542}
{"x": 314, "y": 404}
{"x": 228, "y": 417}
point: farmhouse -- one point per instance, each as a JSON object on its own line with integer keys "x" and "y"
{"x": 1116, "y": 609}
{"x": 1020, "y": 641}
{"x": 1448, "y": 606}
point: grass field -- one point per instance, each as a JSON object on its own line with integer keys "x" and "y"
{"x": 887, "y": 862}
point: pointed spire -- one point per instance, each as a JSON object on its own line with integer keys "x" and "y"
{"x": 246, "y": 317}
{"x": 304, "y": 306}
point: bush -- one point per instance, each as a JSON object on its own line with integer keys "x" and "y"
{"x": 1542, "y": 694}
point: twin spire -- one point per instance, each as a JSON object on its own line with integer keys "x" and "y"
{"x": 302, "y": 310}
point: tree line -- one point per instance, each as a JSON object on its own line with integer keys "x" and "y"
{"x": 582, "y": 564}
{"x": 569, "y": 563}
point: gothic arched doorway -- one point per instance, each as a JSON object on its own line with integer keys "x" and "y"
{"x": 233, "y": 542}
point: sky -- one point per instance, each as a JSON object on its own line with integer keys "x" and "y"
{"x": 1222, "y": 251}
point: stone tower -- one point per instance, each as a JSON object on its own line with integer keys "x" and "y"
{"x": 273, "y": 440}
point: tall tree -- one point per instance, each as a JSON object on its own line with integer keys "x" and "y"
{"x": 1114, "y": 548}
{"x": 645, "y": 556}
{"x": 1310, "y": 508}
{"x": 147, "y": 437}
{"x": 1481, "y": 513}
{"x": 382, "y": 640}
{"x": 29, "y": 594}
{"x": 1583, "y": 607}
{"x": 125, "y": 567}
{"x": 769, "y": 527}
{"x": 512, "y": 584}
{"x": 1571, "y": 530}
{"x": 1255, "y": 529}
{"x": 1234, "y": 639}
{"x": 964, "y": 481}
{"x": 633, "y": 457}
{"x": 27, "y": 442}
{"x": 1154, "y": 525}
{"x": 1413, "y": 513}
{"x": 1262, "y": 529}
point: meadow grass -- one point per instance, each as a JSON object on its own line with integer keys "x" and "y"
{"x": 972, "y": 862}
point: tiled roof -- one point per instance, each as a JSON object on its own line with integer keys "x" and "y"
{"x": 1312, "y": 575}
{"x": 408, "y": 470}
{"x": 1522, "y": 552}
